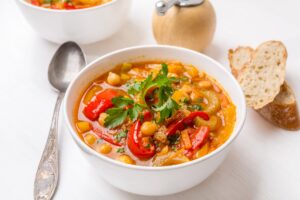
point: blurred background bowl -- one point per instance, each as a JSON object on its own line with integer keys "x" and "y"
{"x": 83, "y": 26}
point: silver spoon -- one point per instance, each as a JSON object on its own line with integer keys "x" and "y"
{"x": 65, "y": 64}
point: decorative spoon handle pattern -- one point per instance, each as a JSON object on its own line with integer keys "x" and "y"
{"x": 46, "y": 178}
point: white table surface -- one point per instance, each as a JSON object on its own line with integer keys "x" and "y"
{"x": 263, "y": 164}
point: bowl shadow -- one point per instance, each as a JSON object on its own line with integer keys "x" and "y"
{"x": 234, "y": 180}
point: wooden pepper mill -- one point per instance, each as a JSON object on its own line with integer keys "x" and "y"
{"x": 186, "y": 23}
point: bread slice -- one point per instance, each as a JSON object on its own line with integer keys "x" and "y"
{"x": 239, "y": 58}
{"x": 282, "y": 111}
{"x": 262, "y": 77}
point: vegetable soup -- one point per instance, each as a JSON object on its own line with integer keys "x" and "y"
{"x": 67, "y": 4}
{"x": 155, "y": 114}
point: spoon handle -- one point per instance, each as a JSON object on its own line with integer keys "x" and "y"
{"x": 46, "y": 177}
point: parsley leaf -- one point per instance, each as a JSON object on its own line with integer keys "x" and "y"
{"x": 134, "y": 111}
{"x": 163, "y": 90}
{"x": 195, "y": 107}
{"x": 122, "y": 101}
{"x": 116, "y": 116}
{"x": 120, "y": 150}
{"x": 134, "y": 88}
{"x": 167, "y": 109}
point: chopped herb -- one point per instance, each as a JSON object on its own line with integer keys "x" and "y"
{"x": 184, "y": 78}
{"x": 142, "y": 117}
{"x": 120, "y": 150}
{"x": 122, "y": 134}
{"x": 148, "y": 146}
{"x": 195, "y": 107}
{"x": 122, "y": 101}
{"x": 186, "y": 100}
{"x": 134, "y": 88}
{"x": 174, "y": 148}
{"x": 174, "y": 139}
{"x": 199, "y": 100}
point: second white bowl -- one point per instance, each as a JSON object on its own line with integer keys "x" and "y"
{"x": 82, "y": 25}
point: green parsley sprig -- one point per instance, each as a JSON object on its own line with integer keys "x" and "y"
{"x": 166, "y": 106}
{"x": 118, "y": 114}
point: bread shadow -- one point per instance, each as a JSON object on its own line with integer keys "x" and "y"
{"x": 234, "y": 180}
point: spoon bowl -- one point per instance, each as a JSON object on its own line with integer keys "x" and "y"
{"x": 65, "y": 65}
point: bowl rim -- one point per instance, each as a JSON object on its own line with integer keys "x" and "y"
{"x": 67, "y": 11}
{"x": 87, "y": 149}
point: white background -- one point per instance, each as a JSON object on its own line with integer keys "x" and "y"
{"x": 263, "y": 164}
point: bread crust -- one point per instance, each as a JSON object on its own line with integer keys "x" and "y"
{"x": 285, "y": 116}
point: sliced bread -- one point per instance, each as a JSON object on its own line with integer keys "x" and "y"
{"x": 238, "y": 58}
{"x": 262, "y": 77}
{"x": 282, "y": 111}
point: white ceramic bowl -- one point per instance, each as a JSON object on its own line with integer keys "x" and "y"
{"x": 82, "y": 25}
{"x": 154, "y": 180}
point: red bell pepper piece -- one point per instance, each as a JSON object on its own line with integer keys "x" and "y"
{"x": 187, "y": 121}
{"x": 199, "y": 137}
{"x": 134, "y": 142}
{"x": 147, "y": 116}
{"x": 107, "y": 137}
{"x": 35, "y": 2}
{"x": 69, "y": 6}
{"x": 99, "y": 104}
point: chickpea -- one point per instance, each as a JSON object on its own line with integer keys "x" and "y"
{"x": 90, "y": 139}
{"x": 205, "y": 84}
{"x": 105, "y": 148}
{"x": 148, "y": 128}
{"x": 126, "y": 159}
{"x": 126, "y": 67}
{"x": 113, "y": 79}
{"x": 101, "y": 119}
